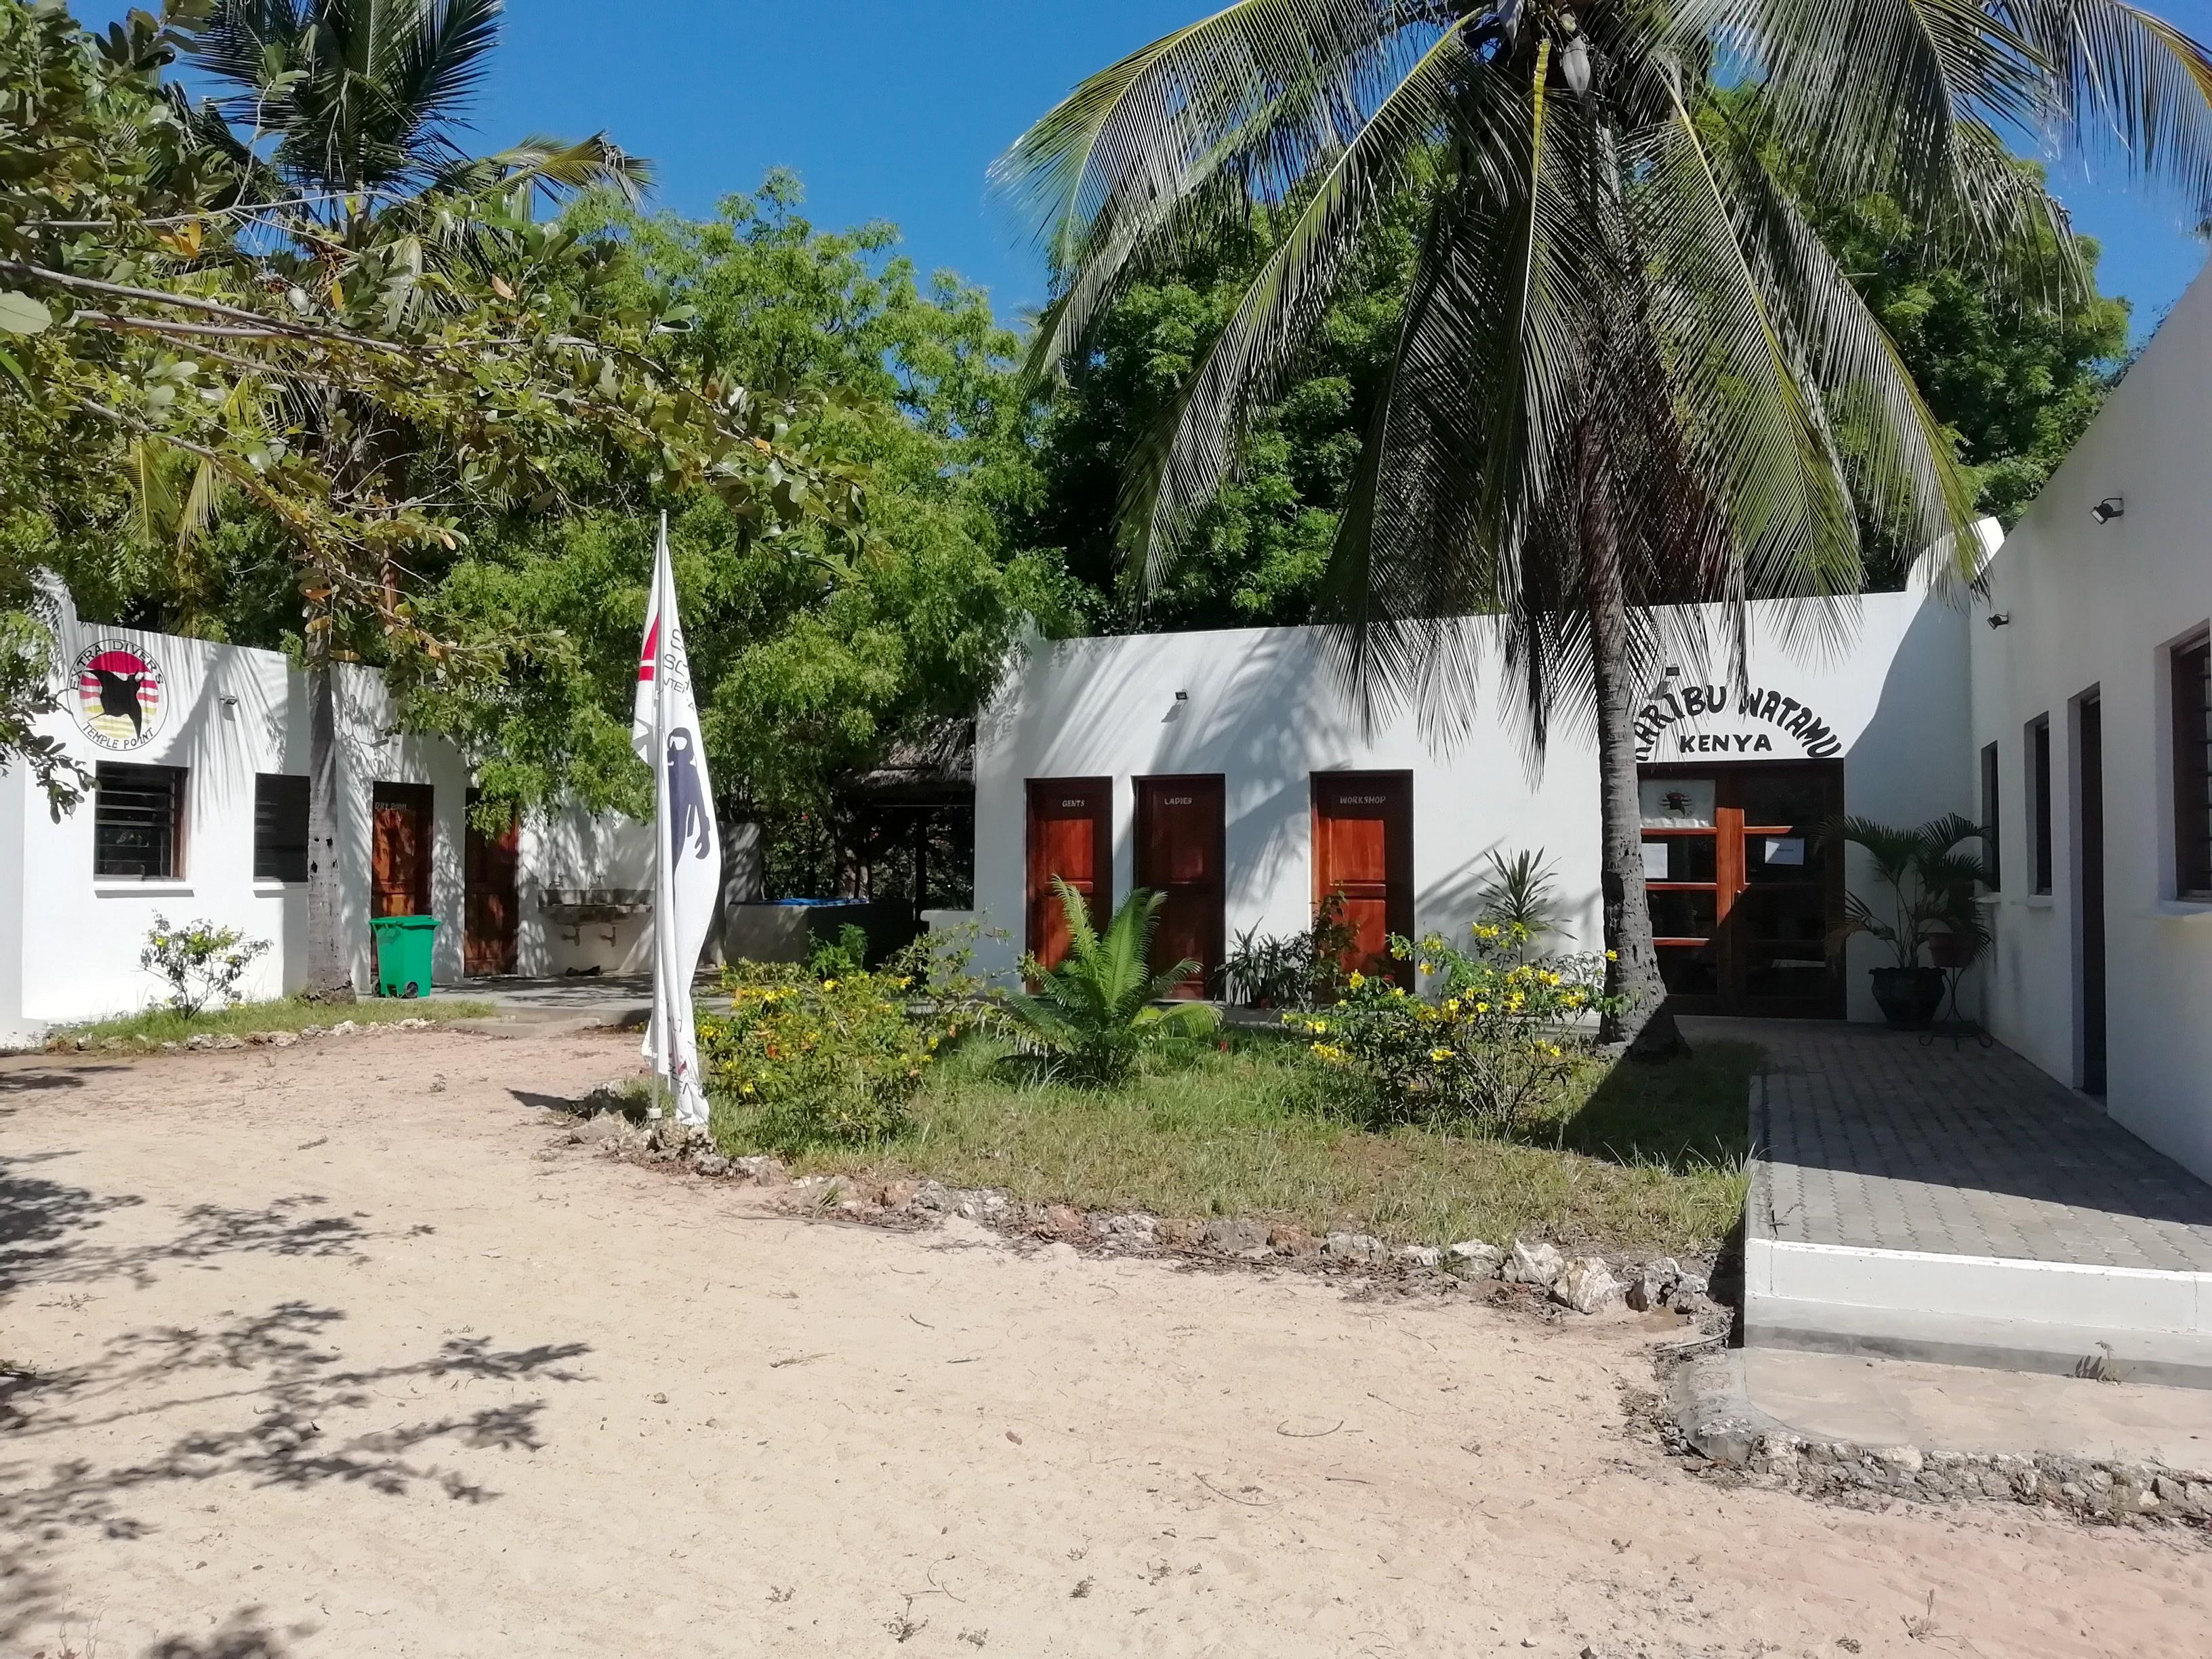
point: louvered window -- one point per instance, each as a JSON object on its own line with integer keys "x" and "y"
{"x": 279, "y": 828}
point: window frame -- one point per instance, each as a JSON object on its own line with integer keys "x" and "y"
{"x": 271, "y": 863}
{"x": 119, "y": 773}
{"x": 2039, "y": 808}
{"x": 1993, "y": 814}
{"x": 2191, "y": 759}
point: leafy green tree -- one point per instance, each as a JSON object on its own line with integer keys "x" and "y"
{"x": 1628, "y": 371}
{"x": 369, "y": 372}
{"x": 816, "y": 653}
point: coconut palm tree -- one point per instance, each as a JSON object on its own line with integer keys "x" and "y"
{"x": 1627, "y": 373}
{"x": 346, "y": 117}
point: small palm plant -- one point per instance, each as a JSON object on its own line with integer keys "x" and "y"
{"x": 1092, "y": 1014}
{"x": 1931, "y": 884}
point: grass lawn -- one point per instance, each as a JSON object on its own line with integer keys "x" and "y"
{"x": 283, "y": 1014}
{"x": 1631, "y": 1157}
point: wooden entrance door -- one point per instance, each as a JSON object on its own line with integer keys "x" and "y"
{"x": 1180, "y": 836}
{"x": 1363, "y": 856}
{"x": 1070, "y": 835}
{"x": 1744, "y": 894}
{"x": 493, "y": 907}
{"x": 399, "y": 853}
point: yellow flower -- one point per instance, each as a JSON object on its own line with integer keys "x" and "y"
{"x": 828, "y": 984}
{"x": 1612, "y": 956}
{"x": 1481, "y": 1007}
{"x": 1319, "y": 1027}
{"x": 1440, "y": 1053}
{"x": 1451, "y": 1005}
{"x": 1357, "y": 980}
{"x": 745, "y": 1089}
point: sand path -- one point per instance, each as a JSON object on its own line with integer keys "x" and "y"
{"x": 335, "y": 1351}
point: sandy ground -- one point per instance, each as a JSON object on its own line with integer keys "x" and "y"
{"x": 334, "y": 1352}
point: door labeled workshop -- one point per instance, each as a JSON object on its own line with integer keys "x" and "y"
{"x": 1364, "y": 859}
{"x": 1071, "y": 836}
{"x": 1180, "y": 836}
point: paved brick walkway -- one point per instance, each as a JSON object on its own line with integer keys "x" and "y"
{"x": 1871, "y": 1139}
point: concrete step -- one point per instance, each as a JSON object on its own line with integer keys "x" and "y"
{"x": 1992, "y": 1341}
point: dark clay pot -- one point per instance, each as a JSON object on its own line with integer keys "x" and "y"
{"x": 1909, "y": 997}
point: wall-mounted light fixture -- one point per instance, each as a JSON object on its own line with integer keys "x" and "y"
{"x": 1182, "y": 696}
{"x": 229, "y": 702}
{"x": 2000, "y": 619}
{"x": 2112, "y": 507}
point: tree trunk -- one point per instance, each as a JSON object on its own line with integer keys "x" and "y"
{"x": 330, "y": 974}
{"x": 1632, "y": 968}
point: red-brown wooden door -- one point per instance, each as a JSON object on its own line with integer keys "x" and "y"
{"x": 1070, "y": 835}
{"x": 493, "y": 905}
{"x": 1180, "y": 829}
{"x": 399, "y": 851}
{"x": 1363, "y": 855}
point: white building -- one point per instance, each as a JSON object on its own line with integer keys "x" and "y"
{"x": 1230, "y": 769}
{"x": 199, "y": 754}
{"x": 2089, "y": 726}
{"x": 2067, "y": 707}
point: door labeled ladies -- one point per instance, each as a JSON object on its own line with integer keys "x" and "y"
{"x": 1745, "y": 894}
{"x": 1180, "y": 836}
{"x": 1363, "y": 840}
{"x": 1071, "y": 837}
{"x": 400, "y": 852}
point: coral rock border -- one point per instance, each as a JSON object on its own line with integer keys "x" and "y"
{"x": 610, "y": 1123}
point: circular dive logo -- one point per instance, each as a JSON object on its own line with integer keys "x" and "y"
{"x": 118, "y": 696}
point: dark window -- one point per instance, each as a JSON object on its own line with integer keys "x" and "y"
{"x": 138, "y": 822}
{"x": 1991, "y": 814}
{"x": 2038, "y": 797}
{"x": 2192, "y": 769}
{"x": 279, "y": 828}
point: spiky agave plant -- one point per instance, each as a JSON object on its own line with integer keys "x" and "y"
{"x": 1093, "y": 1014}
{"x": 1627, "y": 373}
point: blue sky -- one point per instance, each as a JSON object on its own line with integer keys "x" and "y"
{"x": 892, "y": 109}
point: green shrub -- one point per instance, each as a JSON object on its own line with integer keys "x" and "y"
{"x": 1090, "y": 1017}
{"x": 840, "y": 958}
{"x": 1496, "y": 1039}
{"x": 802, "y": 1061}
{"x": 201, "y": 962}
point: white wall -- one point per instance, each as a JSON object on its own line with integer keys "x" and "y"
{"x": 2094, "y": 606}
{"x": 1263, "y": 711}
{"x": 69, "y": 946}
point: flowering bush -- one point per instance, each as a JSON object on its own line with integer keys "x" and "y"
{"x": 1496, "y": 1037}
{"x": 805, "y": 1060}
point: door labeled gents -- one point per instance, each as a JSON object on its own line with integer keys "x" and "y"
{"x": 1363, "y": 837}
{"x": 1744, "y": 894}
{"x": 1181, "y": 831}
{"x": 399, "y": 851}
{"x": 1071, "y": 836}
{"x": 492, "y": 907}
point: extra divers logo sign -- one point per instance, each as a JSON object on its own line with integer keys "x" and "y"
{"x": 120, "y": 699}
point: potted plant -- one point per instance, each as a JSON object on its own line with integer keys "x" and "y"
{"x": 1928, "y": 917}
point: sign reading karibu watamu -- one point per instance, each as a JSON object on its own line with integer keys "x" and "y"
{"x": 1689, "y": 721}
{"x": 120, "y": 699}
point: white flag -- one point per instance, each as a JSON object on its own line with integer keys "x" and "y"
{"x": 687, "y": 884}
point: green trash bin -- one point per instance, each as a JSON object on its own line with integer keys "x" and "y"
{"x": 402, "y": 954}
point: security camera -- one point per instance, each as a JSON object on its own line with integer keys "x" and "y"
{"x": 2110, "y": 508}
{"x": 2000, "y": 619}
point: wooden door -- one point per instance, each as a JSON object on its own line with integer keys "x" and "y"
{"x": 1180, "y": 836}
{"x": 1070, "y": 835}
{"x": 1363, "y": 838}
{"x": 493, "y": 906}
{"x": 399, "y": 857}
{"x": 1744, "y": 893}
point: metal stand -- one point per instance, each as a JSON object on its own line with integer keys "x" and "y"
{"x": 1958, "y": 1028}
